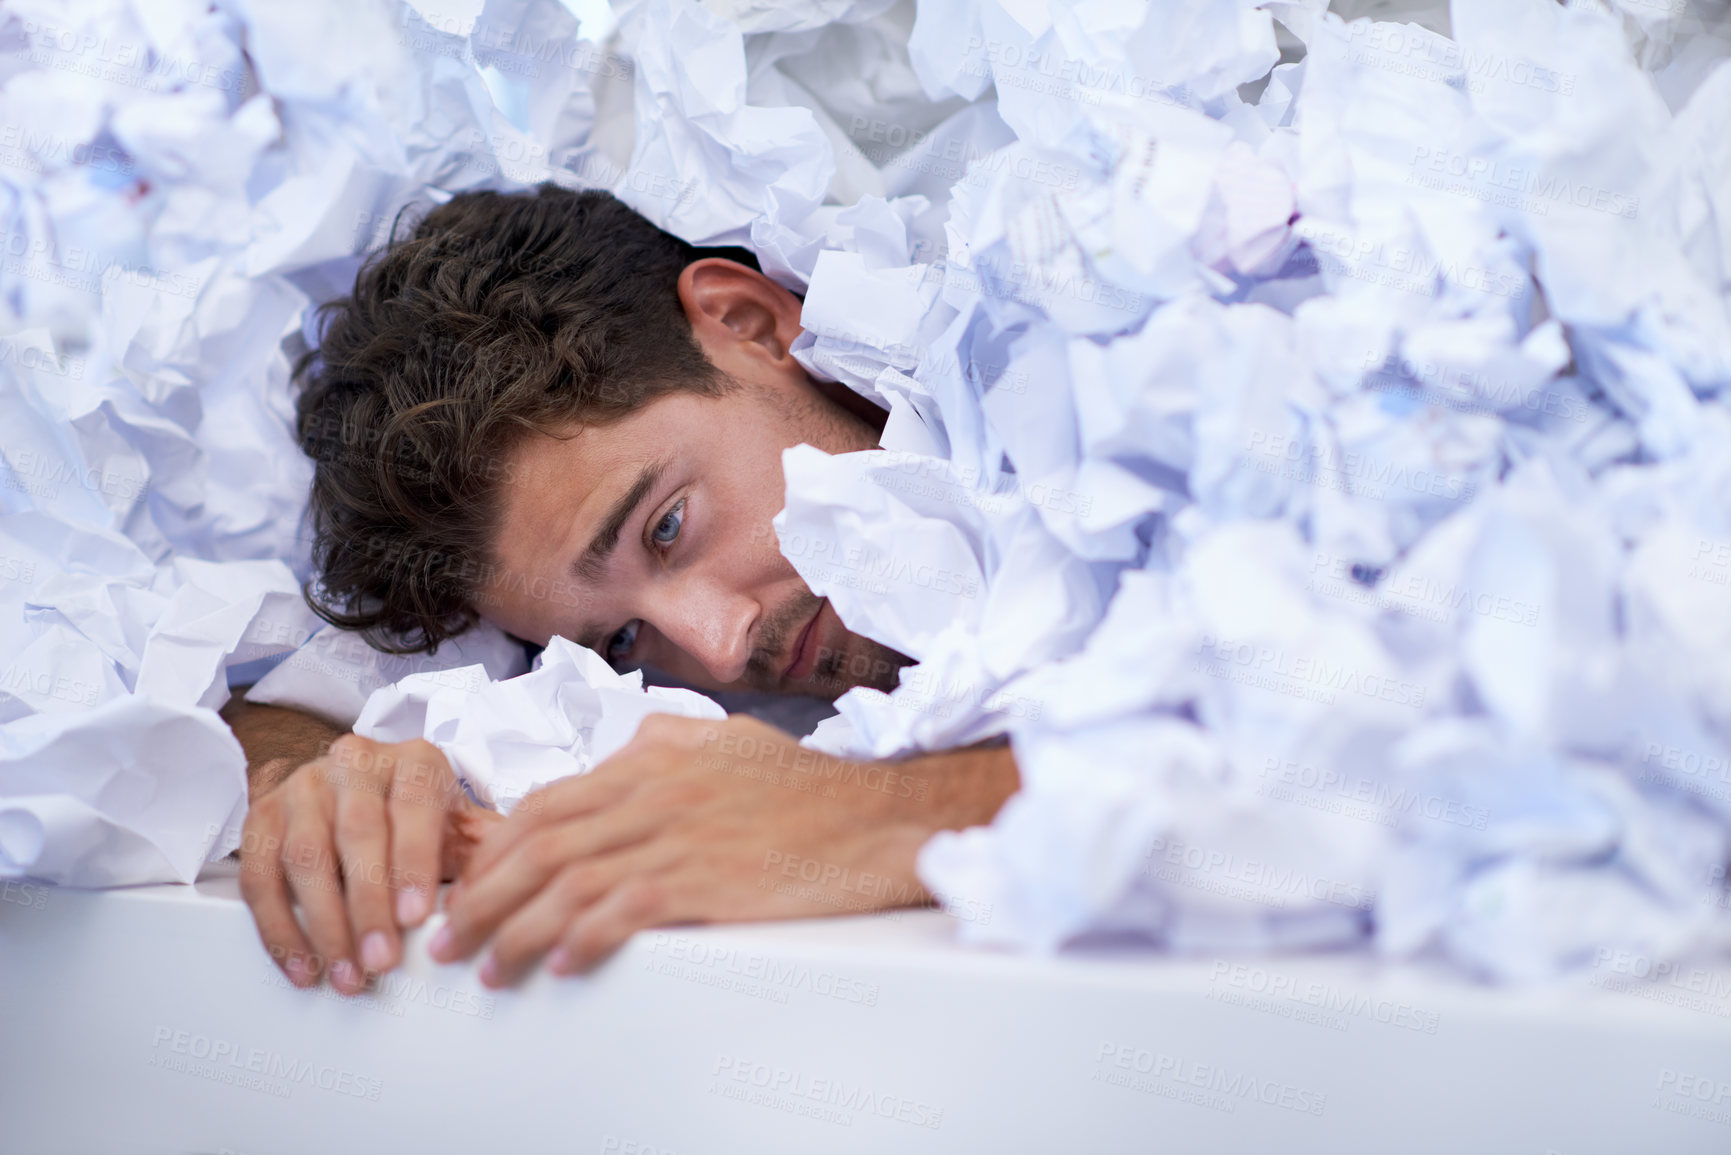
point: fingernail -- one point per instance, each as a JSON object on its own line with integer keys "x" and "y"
{"x": 411, "y": 907}
{"x": 440, "y": 947}
{"x": 297, "y": 971}
{"x": 376, "y": 951}
{"x": 490, "y": 972}
{"x": 559, "y": 962}
{"x": 343, "y": 973}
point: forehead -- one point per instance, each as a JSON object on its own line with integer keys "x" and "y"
{"x": 555, "y": 489}
{"x": 548, "y": 487}
{"x": 551, "y": 481}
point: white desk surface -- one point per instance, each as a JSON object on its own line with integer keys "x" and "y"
{"x": 150, "y": 1020}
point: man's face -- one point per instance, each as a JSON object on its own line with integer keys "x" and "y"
{"x": 648, "y": 539}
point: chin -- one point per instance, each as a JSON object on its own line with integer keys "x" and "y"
{"x": 858, "y": 661}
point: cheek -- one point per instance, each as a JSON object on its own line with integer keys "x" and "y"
{"x": 734, "y": 515}
{"x": 754, "y": 557}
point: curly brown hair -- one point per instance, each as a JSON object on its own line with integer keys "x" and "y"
{"x": 494, "y": 315}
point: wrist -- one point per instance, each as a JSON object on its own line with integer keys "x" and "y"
{"x": 956, "y": 789}
{"x": 263, "y": 777}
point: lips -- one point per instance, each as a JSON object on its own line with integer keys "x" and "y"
{"x": 805, "y": 648}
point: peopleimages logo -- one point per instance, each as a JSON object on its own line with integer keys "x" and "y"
{"x": 88, "y": 270}
{"x": 1069, "y": 77}
{"x": 19, "y": 681}
{"x": 1695, "y": 1095}
{"x": 953, "y": 157}
{"x": 1485, "y": 175}
{"x": 30, "y": 357}
{"x": 24, "y": 893}
{"x": 1314, "y": 678}
{"x": 1242, "y": 984}
{"x": 221, "y": 1060}
{"x": 1414, "y": 594}
{"x": 781, "y": 975}
{"x": 1384, "y": 802}
{"x": 798, "y": 1092}
{"x": 1470, "y": 390}
{"x": 1401, "y": 267}
{"x": 1423, "y": 54}
{"x": 1269, "y": 884}
{"x": 136, "y": 64}
{"x": 1033, "y": 284}
{"x": 48, "y": 146}
{"x": 874, "y": 567}
{"x": 1330, "y": 467}
{"x": 1115, "y": 1062}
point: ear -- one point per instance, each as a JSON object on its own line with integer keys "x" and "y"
{"x": 735, "y": 310}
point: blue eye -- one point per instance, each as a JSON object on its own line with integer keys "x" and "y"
{"x": 667, "y": 529}
{"x": 620, "y": 644}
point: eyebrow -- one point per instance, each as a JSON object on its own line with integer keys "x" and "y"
{"x": 590, "y": 565}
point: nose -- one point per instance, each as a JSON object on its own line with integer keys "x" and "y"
{"x": 709, "y": 621}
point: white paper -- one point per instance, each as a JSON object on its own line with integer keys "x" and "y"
{"x": 507, "y": 738}
{"x": 1323, "y": 488}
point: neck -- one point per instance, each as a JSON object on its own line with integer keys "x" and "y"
{"x": 855, "y": 406}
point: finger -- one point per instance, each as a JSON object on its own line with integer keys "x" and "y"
{"x": 686, "y": 733}
{"x": 310, "y": 863}
{"x": 565, "y": 799}
{"x": 486, "y": 900}
{"x": 635, "y": 904}
{"x": 465, "y": 828}
{"x": 265, "y": 891}
{"x": 532, "y": 931}
{"x": 363, "y": 842}
{"x": 420, "y": 801}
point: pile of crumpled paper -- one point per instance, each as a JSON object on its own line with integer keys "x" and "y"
{"x": 1305, "y": 442}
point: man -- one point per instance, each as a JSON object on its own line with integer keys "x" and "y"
{"x": 543, "y": 412}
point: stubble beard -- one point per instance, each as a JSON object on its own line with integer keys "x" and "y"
{"x": 861, "y": 662}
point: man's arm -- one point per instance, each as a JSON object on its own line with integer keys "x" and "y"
{"x": 703, "y": 821}
{"x": 277, "y": 741}
{"x": 969, "y": 785}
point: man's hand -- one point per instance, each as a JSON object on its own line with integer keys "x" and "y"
{"x": 692, "y": 822}
{"x": 360, "y": 838}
